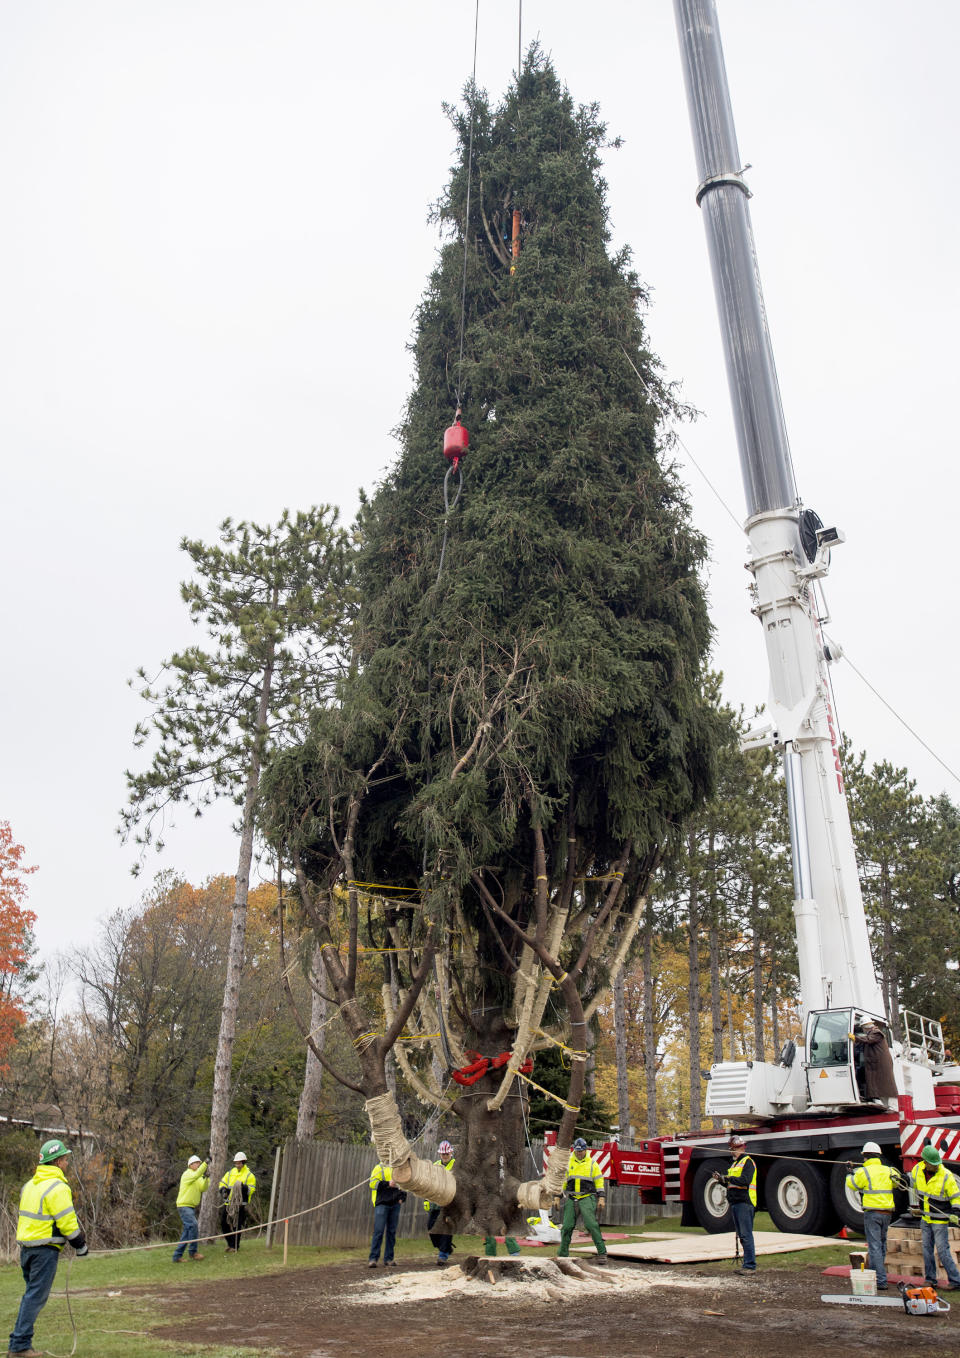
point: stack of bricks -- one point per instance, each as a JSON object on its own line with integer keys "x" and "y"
{"x": 905, "y": 1252}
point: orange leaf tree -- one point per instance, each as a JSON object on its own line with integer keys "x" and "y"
{"x": 15, "y": 925}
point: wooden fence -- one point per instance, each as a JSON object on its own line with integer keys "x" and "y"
{"x": 309, "y": 1173}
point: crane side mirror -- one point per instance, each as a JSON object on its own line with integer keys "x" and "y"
{"x": 787, "y": 1054}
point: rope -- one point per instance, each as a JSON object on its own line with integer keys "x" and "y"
{"x": 570, "y": 1107}
{"x": 577, "y": 1055}
{"x": 381, "y": 886}
{"x": 73, "y": 1323}
{"x": 466, "y": 215}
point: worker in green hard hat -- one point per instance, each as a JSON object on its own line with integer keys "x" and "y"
{"x": 45, "y": 1224}
{"x": 939, "y": 1195}
{"x": 583, "y": 1187}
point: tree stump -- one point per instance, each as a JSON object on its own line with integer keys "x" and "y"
{"x": 559, "y": 1273}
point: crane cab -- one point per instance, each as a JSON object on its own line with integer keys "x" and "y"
{"x": 834, "y": 1064}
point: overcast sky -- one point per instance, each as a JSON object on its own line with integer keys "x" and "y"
{"x": 212, "y": 241}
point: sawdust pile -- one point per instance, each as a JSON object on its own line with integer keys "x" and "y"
{"x": 543, "y": 1281}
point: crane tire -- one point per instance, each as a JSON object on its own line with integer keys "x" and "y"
{"x": 797, "y": 1196}
{"x": 845, "y": 1204}
{"x": 710, "y": 1198}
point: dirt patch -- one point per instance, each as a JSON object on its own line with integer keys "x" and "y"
{"x": 641, "y": 1313}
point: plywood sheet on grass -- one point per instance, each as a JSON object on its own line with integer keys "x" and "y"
{"x": 692, "y": 1249}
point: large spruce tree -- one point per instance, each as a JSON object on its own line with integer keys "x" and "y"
{"x": 523, "y": 729}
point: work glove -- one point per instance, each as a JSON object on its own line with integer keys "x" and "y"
{"x": 84, "y": 1249}
{"x": 601, "y": 1204}
{"x": 717, "y": 1178}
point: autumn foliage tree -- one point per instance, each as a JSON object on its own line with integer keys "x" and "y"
{"x": 15, "y": 925}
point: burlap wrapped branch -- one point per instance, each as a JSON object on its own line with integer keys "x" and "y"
{"x": 421, "y": 1177}
{"x": 555, "y": 1174}
{"x": 427, "y": 1180}
{"x": 393, "y": 1148}
{"x": 537, "y": 1193}
{"x": 531, "y": 1196}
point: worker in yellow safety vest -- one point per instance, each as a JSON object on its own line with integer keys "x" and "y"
{"x": 193, "y": 1184}
{"x": 741, "y": 1182}
{"x": 387, "y": 1201}
{"x": 236, "y": 1189}
{"x": 875, "y": 1182}
{"x": 939, "y": 1195}
{"x": 583, "y": 1185}
{"x": 46, "y": 1223}
{"x": 442, "y": 1243}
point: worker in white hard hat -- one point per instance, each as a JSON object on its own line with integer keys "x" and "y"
{"x": 236, "y": 1190}
{"x": 875, "y": 1182}
{"x": 441, "y": 1241}
{"x": 193, "y": 1184}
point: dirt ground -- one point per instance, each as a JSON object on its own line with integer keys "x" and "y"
{"x": 347, "y": 1311}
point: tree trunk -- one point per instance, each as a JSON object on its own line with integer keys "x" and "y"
{"x": 223, "y": 1063}
{"x": 693, "y": 994}
{"x": 716, "y": 998}
{"x": 774, "y": 1016}
{"x": 313, "y": 1074}
{"x": 649, "y": 1036}
{"x": 590, "y": 1083}
{"x": 757, "y": 972}
{"x": 729, "y": 992}
{"x": 390, "y": 1061}
{"x": 489, "y": 1165}
{"x": 620, "y": 1046}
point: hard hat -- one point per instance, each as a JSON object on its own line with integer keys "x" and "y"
{"x": 52, "y": 1150}
{"x": 239, "y": 1156}
{"x": 870, "y": 1148}
{"x": 579, "y": 1144}
{"x": 931, "y": 1155}
{"x": 194, "y": 1160}
{"x": 736, "y": 1141}
{"x": 444, "y": 1148}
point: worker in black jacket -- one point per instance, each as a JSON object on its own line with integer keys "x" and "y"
{"x": 741, "y": 1182}
{"x": 387, "y": 1201}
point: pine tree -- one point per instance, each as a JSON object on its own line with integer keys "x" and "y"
{"x": 524, "y": 729}
{"x": 273, "y": 601}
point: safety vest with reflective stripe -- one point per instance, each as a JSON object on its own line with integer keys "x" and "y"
{"x": 875, "y": 1182}
{"x": 941, "y": 1185}
{"x": 742, "y": 1174}
{"x": 383, "y": 1174}
{"x": 193, "y": 1184}
{"x": 244, "y": 1176}
{"x": 46, "y": 1210}
{"x": 583, "y": 1176}
{"x": 448, "y": 1167}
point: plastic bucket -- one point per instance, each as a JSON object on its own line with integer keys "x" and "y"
{"x": 863, "y": 1282}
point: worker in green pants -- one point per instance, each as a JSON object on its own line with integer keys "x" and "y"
{"x": 584, "y": 1183}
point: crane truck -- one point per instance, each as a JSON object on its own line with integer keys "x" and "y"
{"x": 806, "y": 1114}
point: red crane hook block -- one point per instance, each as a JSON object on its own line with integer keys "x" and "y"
{"x": 456, "y": 440}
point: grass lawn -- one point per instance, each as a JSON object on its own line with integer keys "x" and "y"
{"x": 112, "y": 1323}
